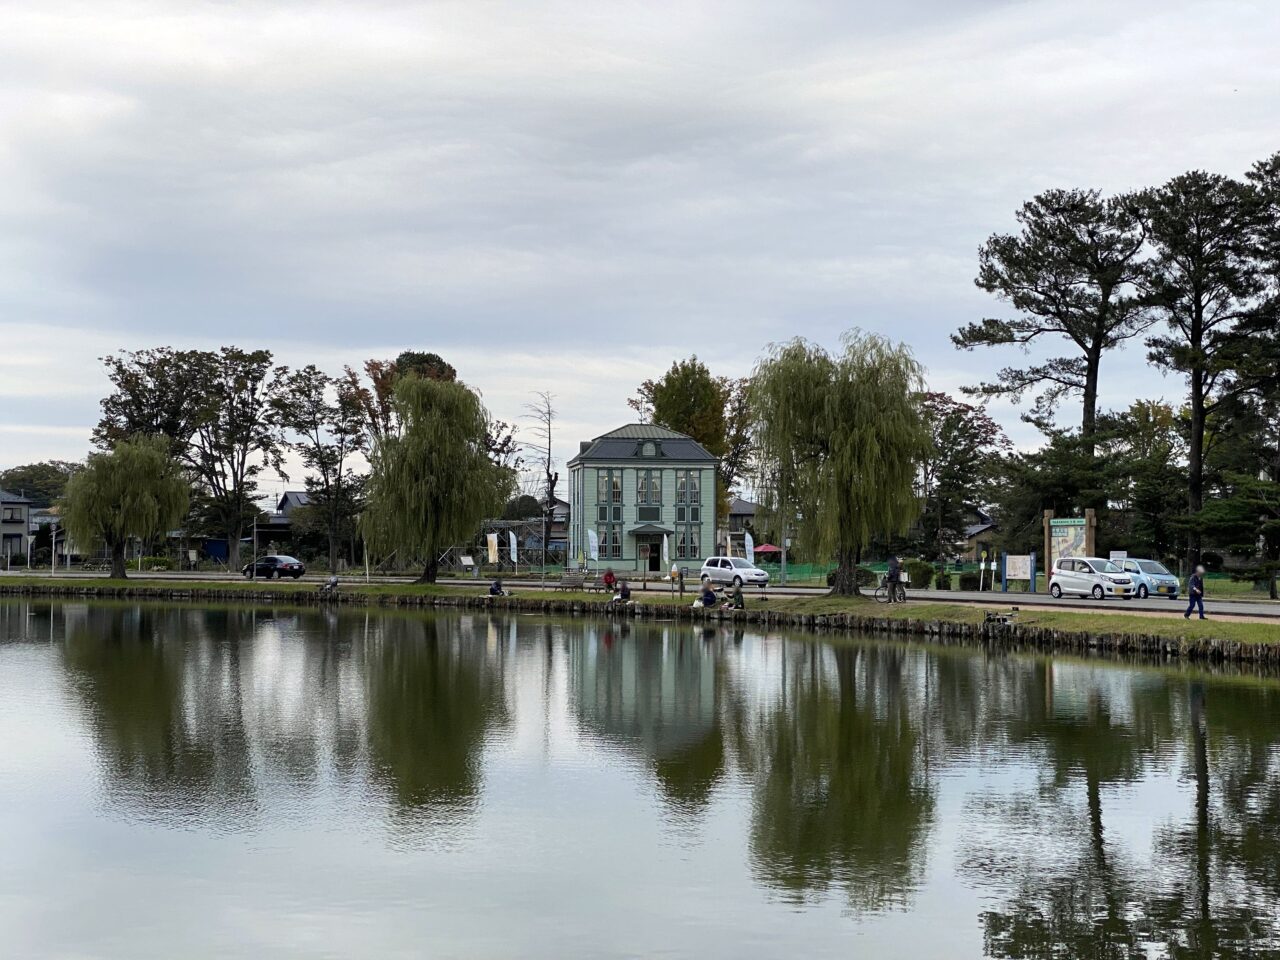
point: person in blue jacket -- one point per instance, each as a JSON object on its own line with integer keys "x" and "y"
{"x": 1195, "y": 594}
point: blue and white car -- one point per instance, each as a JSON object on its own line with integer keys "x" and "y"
{"x": 1152, "y": 578}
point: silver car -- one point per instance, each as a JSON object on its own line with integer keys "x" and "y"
{"x": 737, "y": 571}
{"x": 1090, "y": 577}
{"x": 1152, "y": 578}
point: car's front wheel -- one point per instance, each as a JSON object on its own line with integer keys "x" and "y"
{"x": 1098, "y": 593}
{"x": 1055, "y": 591}
{"x": 1143, "y": 593}
{"x": 737, "y": 581}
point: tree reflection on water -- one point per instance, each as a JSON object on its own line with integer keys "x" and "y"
{"x": 840, "y": 755}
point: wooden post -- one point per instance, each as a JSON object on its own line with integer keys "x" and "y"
{"x": 1090, "y": 526}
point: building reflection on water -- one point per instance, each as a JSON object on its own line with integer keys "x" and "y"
{"x": 853, "y": 761}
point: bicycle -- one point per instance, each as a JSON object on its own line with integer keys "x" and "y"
{"x": 882, "y": 591}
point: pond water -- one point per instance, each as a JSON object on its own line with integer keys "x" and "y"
{"x": 187, "y": 782}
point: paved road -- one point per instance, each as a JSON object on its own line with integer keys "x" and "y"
{"x": 1260, "y": 607}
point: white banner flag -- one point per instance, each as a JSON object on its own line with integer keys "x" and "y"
{"x": 492, "y": 541}
{"x": 593, "y": 542}
{"x": 751, "y": 547}
{"x": 666, "y": 550}
{"x": 511, "y": 542}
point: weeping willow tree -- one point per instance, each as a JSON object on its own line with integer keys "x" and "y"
{"x": 136, "y": 490}
{"x": 840, "y": 438}
{"x": 432, "y": 482}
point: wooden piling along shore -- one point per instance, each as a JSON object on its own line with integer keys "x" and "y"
{"x": 1012, "y": 635}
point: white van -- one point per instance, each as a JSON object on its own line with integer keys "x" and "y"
{"x": 1090, "y": 577}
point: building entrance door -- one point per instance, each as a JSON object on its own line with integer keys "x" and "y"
{"x": 653, "y": 562}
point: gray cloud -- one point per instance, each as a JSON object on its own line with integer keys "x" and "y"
{"x": 618, "y": 183}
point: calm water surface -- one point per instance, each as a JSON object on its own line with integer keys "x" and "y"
{"x": 192, "y": 782}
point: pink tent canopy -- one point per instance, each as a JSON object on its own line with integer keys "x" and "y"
{"x": 768, "y": 548}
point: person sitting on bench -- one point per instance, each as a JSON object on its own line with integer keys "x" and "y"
{"x": 736, "y": 601}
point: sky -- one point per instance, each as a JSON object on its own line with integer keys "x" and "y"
{"x": 569, "y": 196}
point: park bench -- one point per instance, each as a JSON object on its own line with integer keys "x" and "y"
{"x": 571, "y": 581}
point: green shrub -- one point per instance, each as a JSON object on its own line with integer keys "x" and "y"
{"x": 944, "y": 581}
{"x": 920, "y": 573}
{"x": 1212, "y": 561}
{"x": 969, "y": 580}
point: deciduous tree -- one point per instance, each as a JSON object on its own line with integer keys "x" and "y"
{"x": 841, "y": 440}
{"x": 135, "y": 490}
{"x": 238, "y": 434}
{"x": 328, "y": 423}
{"x": 41, "y": 483}
{"x": 376, "y": 400}
{"x": 433, "y": 481}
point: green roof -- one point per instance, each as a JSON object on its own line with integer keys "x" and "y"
{"x": 642, "y": 431}
{"x": 626, "y": 444}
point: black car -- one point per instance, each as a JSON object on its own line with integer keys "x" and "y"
{"x": 278, "y": 566}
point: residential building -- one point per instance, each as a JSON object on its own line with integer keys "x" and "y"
{"x": 979, "y": 533}
{"x": 742, "y": 515}
{"x": 15, "y": 524}
{"x": 636, "y": 486}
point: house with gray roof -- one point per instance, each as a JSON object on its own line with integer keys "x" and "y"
{"x": 636, "y": 487}
{"x": 15, "y": 524}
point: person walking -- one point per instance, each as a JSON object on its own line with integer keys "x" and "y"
{"x": 610, "y": 580}
{"x": 894, "y": 577}
{"x": 1195, "y": 594}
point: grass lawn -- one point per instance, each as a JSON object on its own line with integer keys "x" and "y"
{"x": 1159, "y": 625}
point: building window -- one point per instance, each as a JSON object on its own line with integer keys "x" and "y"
{"x": 610, "y": 535}
{"x": 608, "y": 496}
{"x": 688, "y": 541}
{"x": 648, "y": 496}
{"x": 688, "y": 486}
{"x": 648, "y": 449}
{"x": 12, "y": 514}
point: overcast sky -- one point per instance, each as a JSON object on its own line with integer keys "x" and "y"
{"x": 568, "y": 196}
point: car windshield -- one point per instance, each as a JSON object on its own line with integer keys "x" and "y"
{"x": 1106, "y": 566}
{"x": 1150, "y": 566}
{"x": 742, "y": 564}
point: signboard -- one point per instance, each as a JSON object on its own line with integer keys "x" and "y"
{"x": 491, "y": 541}
{"x": 511, "y": 542}
{"x": 750, "y": 543}
{"x": 593, "y": 542}
{"x": 666, "y": 556}
{"x": 1017, "y": 567}
{"x": 1118, "y": 556}
{"x": 1067, "y": 537}
{"x": 468, "y": 560}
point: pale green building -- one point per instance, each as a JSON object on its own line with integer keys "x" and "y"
{"x": 637, "y": 485}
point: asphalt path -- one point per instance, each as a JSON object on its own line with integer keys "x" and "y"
{"x": 1237, "y": 607}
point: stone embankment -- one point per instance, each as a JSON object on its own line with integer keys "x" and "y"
{"x": 1012, "y": 634}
